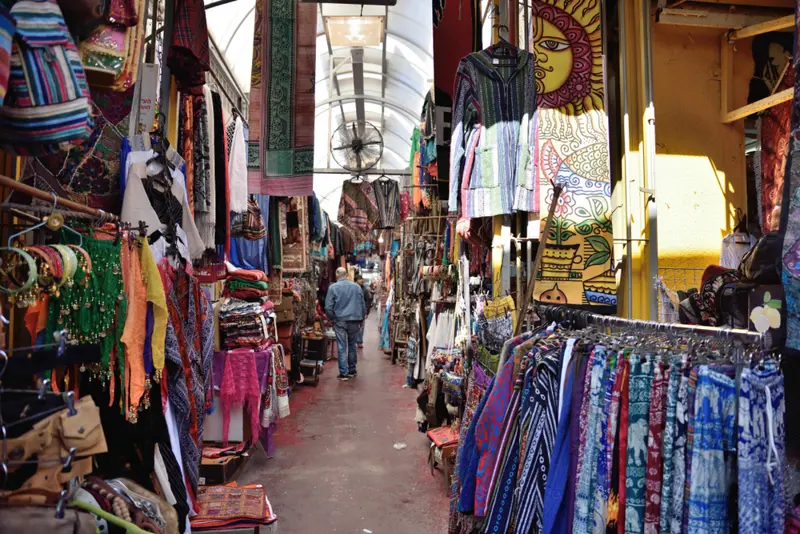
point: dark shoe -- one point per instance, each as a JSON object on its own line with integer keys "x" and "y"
{"x": 343, "y": 378}
{"x": 352, "y": 374}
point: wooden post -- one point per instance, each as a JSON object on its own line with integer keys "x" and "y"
{"x": 522, "y": 310}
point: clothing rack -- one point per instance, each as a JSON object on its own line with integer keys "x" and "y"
{"x": 582, "y": 318}
{"x": 35, "y": 192}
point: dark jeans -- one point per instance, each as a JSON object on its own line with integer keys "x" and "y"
{"x": 348, "y": 334}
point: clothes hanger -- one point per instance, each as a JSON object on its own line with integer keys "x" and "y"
{"x": 44, "y": 222}
{"x": 503, "y": 50}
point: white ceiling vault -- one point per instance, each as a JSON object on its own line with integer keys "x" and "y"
{"x": 397, "y": 74}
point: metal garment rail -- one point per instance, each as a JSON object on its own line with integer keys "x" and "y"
{"x": 587, "y": 318}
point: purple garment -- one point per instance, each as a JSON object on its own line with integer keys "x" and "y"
{"x": 265, "y": 436}
{"x": 148, "y": 339}
{"x": 575, "y": 432}
{"x": 480, "y": 378}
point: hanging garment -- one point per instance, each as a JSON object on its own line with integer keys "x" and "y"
{"x": 557, "y": 485}
{"x": 188, "y": 57}
{"x": 590, "y": 435}
{"x": 136, "y": 205}
{"x": 621, "y": 456}
{"x": 237, "y": 165}
{"x": 387, "y": 198}
{"x": 641, "y": 384}
{"x": 713, "y": 451}
{"x": 248, "y": 254}
{"x": 669, "y": 446}
{"x": 281, "y": 145}
{"x": 189, "y": 351}
{"x": 204, "y": 189}
{"x": 761, "y": 452}
{"x": 605, "y": 445}
{"x": 240, "y": 387}
{"x": 219, "y": 171}
{"x": 358, "y": 208}
{"x": 657, "y": 422}
{"x": 774, "y": 127}
{"x": 488, "y": 440}
{"x": 734, "y": 247}
{"x": 540, "y": 424}
{"x": 496, "y": 104}
{"x": 790, "y": 219}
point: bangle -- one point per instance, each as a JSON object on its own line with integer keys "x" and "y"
{"x": 46, "y": 276}
{"x": 85, "y": 262}
{"x": 32, "y": 271}
{"x": 70, "y": 261}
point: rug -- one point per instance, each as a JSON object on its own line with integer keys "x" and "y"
{"x": 280, "y": 156}
{"x": 232, "y": 506}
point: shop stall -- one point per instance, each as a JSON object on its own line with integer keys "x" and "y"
{"x": 152, "y": 299}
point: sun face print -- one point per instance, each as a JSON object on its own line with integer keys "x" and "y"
{"x": 553, "y": 54}
{"x": 567, "y": 47}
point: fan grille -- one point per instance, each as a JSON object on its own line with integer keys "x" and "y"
{"x": 357, "y": 146}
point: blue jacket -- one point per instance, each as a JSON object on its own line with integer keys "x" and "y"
{"x": 345, "y": 301}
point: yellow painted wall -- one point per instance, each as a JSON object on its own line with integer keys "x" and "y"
{"x": 700, "y": 163}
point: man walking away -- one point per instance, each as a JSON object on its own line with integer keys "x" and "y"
{"x": 344, "y": 305}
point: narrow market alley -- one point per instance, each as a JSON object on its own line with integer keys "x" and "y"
{"x": 336, "y": 468}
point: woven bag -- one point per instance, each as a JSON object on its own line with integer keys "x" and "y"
{"x": 47, "y": 106}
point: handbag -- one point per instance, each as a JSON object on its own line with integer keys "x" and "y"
{"x": 762, "y": 263}
{"x": 253, "y": 227}
{"x": 82, "y": 16}
{"x": 47, "y": 106}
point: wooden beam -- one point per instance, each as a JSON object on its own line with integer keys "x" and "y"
{"x": 527, "y": 296}
{"x": 759, "y": 105}
{"x": 726, "y": 75}
{"x": 781, "y": 23}
{"x": 709, "y": 19}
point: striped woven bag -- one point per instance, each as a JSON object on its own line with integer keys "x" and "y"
{"x": 47, "y": 107}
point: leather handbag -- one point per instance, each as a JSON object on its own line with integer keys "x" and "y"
{"x": 82, "y": 16}
{"x": 762, "y": 263}
{"x": 733, "y": 304}
{"x": 16, "y": 519}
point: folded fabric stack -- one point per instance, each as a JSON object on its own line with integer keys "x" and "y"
{"x": 232, "y": 507}
{"x": 243, "y": 324}
{"x": 250, "y": 285}
{"x": 246, "y": 290}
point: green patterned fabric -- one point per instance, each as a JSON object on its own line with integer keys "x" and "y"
{"x": 281, "y": 145}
